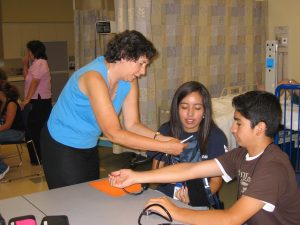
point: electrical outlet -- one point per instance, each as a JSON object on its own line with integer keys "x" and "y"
{"x": 284, "y": 40}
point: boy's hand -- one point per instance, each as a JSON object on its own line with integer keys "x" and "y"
{"x": 165, "y": 202}
{"x": 121, "y": 178}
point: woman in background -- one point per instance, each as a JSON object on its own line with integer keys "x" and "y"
{"x": 191, "y": 114}
{"x": 12, "y": 126}
{"x": 37, "y": 92}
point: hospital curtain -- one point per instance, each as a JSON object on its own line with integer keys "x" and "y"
{"x": 88, "y": 44}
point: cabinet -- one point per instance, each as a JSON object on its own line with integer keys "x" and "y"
{"x": 16, "y": 35}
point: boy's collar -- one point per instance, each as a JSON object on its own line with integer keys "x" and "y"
{"x": 261, "y": 149}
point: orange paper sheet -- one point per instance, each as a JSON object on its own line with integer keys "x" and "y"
{"x": 104, "y": 186}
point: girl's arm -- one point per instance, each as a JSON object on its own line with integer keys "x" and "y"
{"x": 215, "y": 184}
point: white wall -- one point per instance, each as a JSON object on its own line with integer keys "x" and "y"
{"x": 287, "y": 13}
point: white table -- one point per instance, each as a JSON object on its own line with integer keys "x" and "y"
{"x": 19, "y": 206}
{"x": 84, "y": 204}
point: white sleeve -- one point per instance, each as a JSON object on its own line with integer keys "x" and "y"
{"x": 225, "y": 176}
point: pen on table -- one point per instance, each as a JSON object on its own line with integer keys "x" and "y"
{"x": 185, "y": 140}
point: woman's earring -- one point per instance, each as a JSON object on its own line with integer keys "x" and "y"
{"x": 203, "y": 116}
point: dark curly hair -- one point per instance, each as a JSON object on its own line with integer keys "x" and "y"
{"x": 10, "y": 91}
{"x": 129, "y": 45}
{"x": 37, "y": 48}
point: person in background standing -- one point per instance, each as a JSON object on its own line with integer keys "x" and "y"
{"x": 37, "y": 92}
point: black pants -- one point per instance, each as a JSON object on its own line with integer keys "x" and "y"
{"x": 65, "y": 165}
{"x": 38, "y": 116}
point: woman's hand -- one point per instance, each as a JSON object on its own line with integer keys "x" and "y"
{"x": 122, "y": 178}
{"x": 174, "y": 147}
{"x": 26, "y": 59}
{"x": 24, "y": 103}
{"x": 183, "y": 195}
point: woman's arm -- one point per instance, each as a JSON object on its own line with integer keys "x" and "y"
{"x": 131, "y": 114}
{"x": 25, "y": 62}
{"x": 10, "y": 116}
{"x": 95, "y": 88}
{"x": 32, "y": 89}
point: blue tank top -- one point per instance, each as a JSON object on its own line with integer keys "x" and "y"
{"x": 72, "y": 121}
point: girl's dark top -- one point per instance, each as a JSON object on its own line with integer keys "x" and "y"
{"x": 18, "y": 123}
{"x": 216, "y": 145}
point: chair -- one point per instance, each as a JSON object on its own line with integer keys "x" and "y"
{"x": 288, "y": 137}
{"x": 26, "y": 140}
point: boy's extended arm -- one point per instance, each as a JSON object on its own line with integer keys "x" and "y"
{"x": 169, "y": 174}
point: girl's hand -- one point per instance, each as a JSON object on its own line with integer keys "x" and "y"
{"x": 183, "y": 195}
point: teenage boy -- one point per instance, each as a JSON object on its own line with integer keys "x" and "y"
{"x": 267, "y": 187}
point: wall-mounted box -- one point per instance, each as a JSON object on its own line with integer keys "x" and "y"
{"x": 106, "y": 27}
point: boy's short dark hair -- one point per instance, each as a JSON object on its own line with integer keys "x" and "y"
{"x": 260, "y": 106}
{"x": 129, "y": 45}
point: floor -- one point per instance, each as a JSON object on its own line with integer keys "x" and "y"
{"x": 27, "y": 179}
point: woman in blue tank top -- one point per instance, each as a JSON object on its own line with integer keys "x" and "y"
{"x": 90, "y": 103}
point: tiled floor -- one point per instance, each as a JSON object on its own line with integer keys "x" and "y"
{"x": 108, "y": 162}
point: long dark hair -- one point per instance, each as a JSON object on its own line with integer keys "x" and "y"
{"x": 38, "y": 49}
{"x": 10, "y": 91}
{"x": 206, "y": 123}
